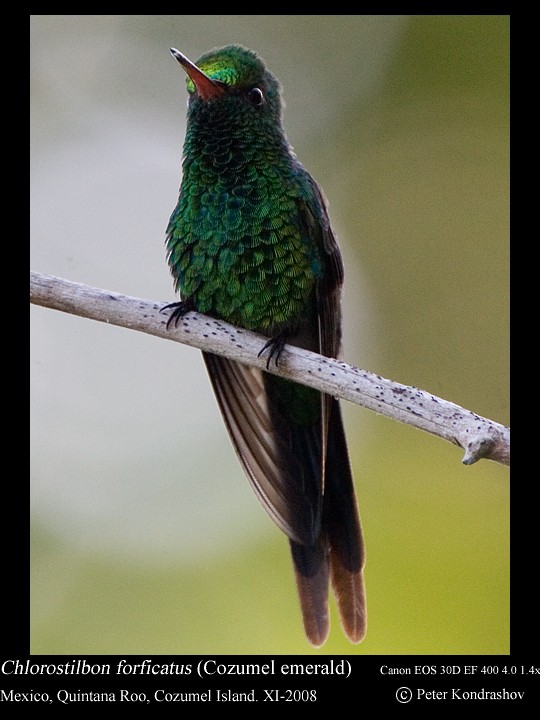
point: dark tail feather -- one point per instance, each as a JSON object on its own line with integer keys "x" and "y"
{"x": 312, "y": 580}
{"x": 341, "y": 524}
{"x": 338, "y": 554}
{"x": 351, "y": 599}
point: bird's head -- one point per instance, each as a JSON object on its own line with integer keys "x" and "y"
{"x": 232, "y": 78}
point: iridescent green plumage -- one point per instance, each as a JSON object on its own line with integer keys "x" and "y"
{"x": 250, "y": 242}
{"x": 236, "y": 240}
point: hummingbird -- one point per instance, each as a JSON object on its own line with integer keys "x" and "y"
{"x": 250, "y": 242}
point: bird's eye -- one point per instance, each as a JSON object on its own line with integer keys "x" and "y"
{"x": 256, "y": 96}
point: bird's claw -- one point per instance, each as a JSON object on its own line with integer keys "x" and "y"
{"x": 180, "y": 309}
{"x": 276, "y": 345}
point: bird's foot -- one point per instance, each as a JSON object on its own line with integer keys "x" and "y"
{"x": 276, "y": 345}
{"x": 180, "y": 309}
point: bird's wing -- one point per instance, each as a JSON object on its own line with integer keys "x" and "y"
{"x": 281, "y": 459}
{"x": 340, "y": 550}
{"x": 282, "y": 449}
{"x": 315, "y": 214}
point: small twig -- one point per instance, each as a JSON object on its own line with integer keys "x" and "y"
{"x": 478, "y": 436}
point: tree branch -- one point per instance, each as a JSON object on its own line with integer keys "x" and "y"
{"x": 478, "y": 436}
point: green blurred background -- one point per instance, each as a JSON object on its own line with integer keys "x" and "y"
{"x": 146, "y": 537}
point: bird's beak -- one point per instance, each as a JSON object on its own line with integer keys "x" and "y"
{"x": 206, "y": 88}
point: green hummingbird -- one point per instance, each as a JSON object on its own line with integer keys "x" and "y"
{"x": 250, "y": 242}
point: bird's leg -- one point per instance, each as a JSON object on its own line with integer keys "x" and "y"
{"x": 180, "y": 309}
{"x": 276, "y": 345}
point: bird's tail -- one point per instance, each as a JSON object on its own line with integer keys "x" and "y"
{"x": 338, "y": 556}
